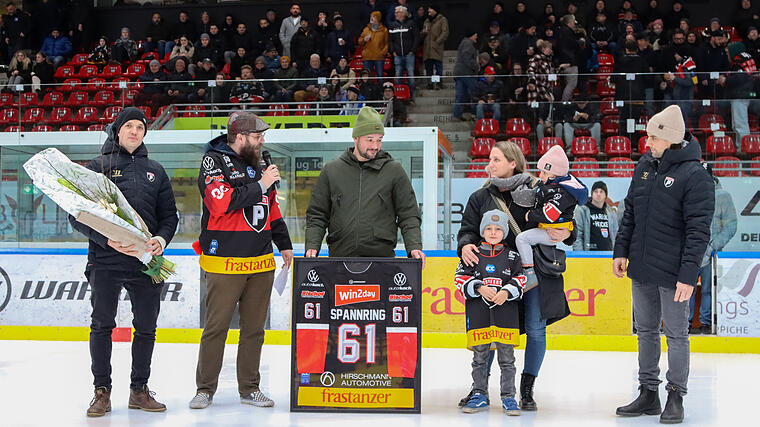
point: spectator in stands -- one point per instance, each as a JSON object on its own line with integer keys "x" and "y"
{"x": 205, "y": 25}
{"x": 488, "y": 93}
{"x": 267, "y": 36}
{"x": 179, "y": 88}
{"x": 286, "y": 82}
{"x": 203, "y": 50}
{"x": 524, "y": 45}
{"x": 420, "y": 16}
{"x": 677, "y": 12}
{"x": 272, "y": 18}
{"x": 242, "y": 38}
{"x": 263, "y": 74}
{"x": 337, "y": 93}
{"x": 744, "y": 17}
{"x": 679, "y": 81}
{"x": 678, "y": 43}
{"x": 752, "y": 44}
{"x": 519, "y": 18}
{"x": 369, "y": 88}
{"x": 241, "y": 58}
{"x": 303, "y": 44}
{"x": 568, "y": 45}
{"x": 338, "y": 43}
{"x": 653, "y": 62}
{"x": 739, "y": 85}
{"x": 367, "y": 7}
{"x": 600, "y": 6}
{"x": 217, "y": 42}
{"x": 374, "y": 43}
{"x": 629, "y": 90}
{"x": 219, "y": 93}
{"x": 514, "y": 85}
{"x": 57, "y": 47}
{"x": 403, "y": 42}
{"x": 497, "y": 14}
{"x": 248, "y": 88}
{"x": 596, "y": 222}
{"x": 153, "y": 92}
{"x": 42, "y": 73}
{"x": 493, "y": 30}
{"x": 435, "y": 32}
{"x": 580, "y": 114}
{"x": 484, "y": 60}
{"x": 549, "y": 18}
{"x": 345, "y": 74}
{"x": 354, "y": 104}
{"x": 325, "y": 103}
{"x": 227, "y": 31}
{"x": 17, "y": 27}
{"x": 601, "y": 35}
{"x": 714, "y": 27}
{"x": 289, "y": 27}
{"x": 310, "y": 80}
{"x": 156, "y": 36}
{"x": 19, "y": 71}
{"x": 465, "y": 68}
{"x": 651, "y": 13}
{"x": 657, "y": 32}
{"x": 692, "y": 40}
{"x": 184, "y": 50}
{"x": 390, "y": 13}
{"x": 271, "y": 58}
{"x": 124, "y": 49}
{"x": 322, "y": 28}
{"x": 713, "y": 58}
{"x": 101, "y": 54}
{"x": 539, "y": 68}
{"x": 183, "y": 27}
{"x": 400, "y": 115}
{"x": 203, "y": 74}
{"x": 498, "y": 54}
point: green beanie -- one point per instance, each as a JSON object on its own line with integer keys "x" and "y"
{"x": 368, "y": 122}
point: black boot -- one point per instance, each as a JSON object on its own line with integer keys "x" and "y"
{"x": 647, "y": 403}
{"x": 673, "y": 413}
{"x": 526, "y": 393}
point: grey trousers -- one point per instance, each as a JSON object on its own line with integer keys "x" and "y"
{"x": 505, "y": 355}
{"x": 571, "y": 82}
{"x": 653, "y": 304}
{"x": 529, "y": 238}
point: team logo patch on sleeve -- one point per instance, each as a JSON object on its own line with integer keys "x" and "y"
{"x": 552, "y": 212}
{"x": 151, "y": 176}
{"x": 208, "y": 163}
{"x": 251, "y": 172}
{"x": 669, "y": 182}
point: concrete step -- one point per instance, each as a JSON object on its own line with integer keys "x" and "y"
{"x": 443, "y": 93}
{"x": 430, "y": 109}
{"x": 458, "y": 138}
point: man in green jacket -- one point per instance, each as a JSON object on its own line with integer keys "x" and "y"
{"x": 362, "y": 198}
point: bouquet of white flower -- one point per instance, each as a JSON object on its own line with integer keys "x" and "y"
{"x": 95, "y": 201}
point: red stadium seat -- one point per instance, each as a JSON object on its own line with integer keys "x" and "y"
{"x": 79, "y": 60}
{"x": 52, "y": 99}
{"x": 387, "y": 65}
{"x": 102, "y": 99}
{"x": 610, "y": 125}
{"x": 9, "y": 116}
{"x": 357, "y": 65}
{"x": 14, "y": 128}
{"x": 719, "y": 145}
{"x": 87, "y": 72}
{"x": 726, "y": 166}
{"x": 641, "y": 123}
{"x": 620, "y": 167}
{"x": 477, "y": 169}
{"x": 751, "y": 144}
{"x": 96, "y": 85}
{"x": 42, "y": 128}
{"x": 643, "y": 149}
{"x": 96, "y": 128}
{"x": 755, "y": 166}
{"x": 146, "y": 110}
{"x": 59, "y": 116}
{"x": 486, "y": 128}
{"x": 402, "y": 92}
{"x": 517, "y": 127}
{"x": 608, "y": 108}
{"x": 303, "y": 110}
{"x": 604, "y": 88}
{"x": 33, "y": 116}
{"x": 585, "y": 167}
{"x": 71, "y": 85}
{"x": 86, "y": 116}
{"x": 160, "y": 111}
{"x": 129, "y": 97}
{"x": 69, "y": 128}
{"x": 6, "y": 100}
{"x": 604, "y": 72}
{"x": 109, "y": 115}
{"x": 481, "y": 147}
{"x": 77, "y": 99}
{"x": 581, "y": 132}
{"x": 115, "y": 84}
{"x": 523, "y": 143}
{"x": 709, "y": 121}
{"x": 278, "y": 110}
{"x": 617, "y": 146}
{"x": 754, "y": 124}
{"x": 584, "y": 146}
{"x": 134, "y": 71}
{"x": 605, "y": 60}
{"x": 196, "y": 111}
{"x": 64, "y": 72}
{"x": 547, "y": 142}
{"x": 110, "y": 72}
{"x": 226, "y": 71}
{"x": 26, "y": 99}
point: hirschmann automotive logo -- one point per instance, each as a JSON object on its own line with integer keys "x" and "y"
{"x": 312, "y": 276}
{"x": 399, "y": 279}
{"x": 5, "y": 289}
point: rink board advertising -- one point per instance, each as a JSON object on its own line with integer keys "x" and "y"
{"x": 356, "y": 335}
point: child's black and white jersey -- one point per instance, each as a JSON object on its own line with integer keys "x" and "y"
{"x": 341, "y": 322}
{"x": 488, "y": 323}
{"x": 556, "y": 201}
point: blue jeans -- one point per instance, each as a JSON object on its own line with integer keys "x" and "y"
{"x": 463, "y": 93}
{"x": 57, "y": 61}
{"x": 535, "y": 329}
{"x": 495, "y": 108}
{"x": 377, "y": 66}
{"x": 405, "y": 62}
{"x": 705, "y": 307}
{"x": 160, "y": 46}
{"x": 740, "y": 118}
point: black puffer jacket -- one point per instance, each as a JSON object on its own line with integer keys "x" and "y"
{"x": 666, "y": 224}
{"x": 403, "y": 37}
{"x": 148, "y": 190}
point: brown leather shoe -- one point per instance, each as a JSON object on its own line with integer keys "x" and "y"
{"x": 143, "y": 399}
{"x": 101, "y": 403}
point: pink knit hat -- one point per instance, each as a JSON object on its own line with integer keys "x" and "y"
{"x": 554, "y": 161}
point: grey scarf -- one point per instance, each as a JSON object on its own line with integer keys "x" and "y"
{"x": 520, "y": 186}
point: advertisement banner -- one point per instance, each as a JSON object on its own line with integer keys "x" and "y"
{"x": 738, "y": 297}
{"x": 275, "y": 122}
{"x": 356, "y": 341}
{"x": 51, "y": 290}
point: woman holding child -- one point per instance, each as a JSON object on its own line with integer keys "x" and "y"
{"x": 509, "y": 187}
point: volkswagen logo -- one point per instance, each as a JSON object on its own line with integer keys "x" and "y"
{"x": 399, "y": 279}
{"x": 5, "y": 289}
{"x": 312, "y": 276}
{"x": 208, "y": 163}
{"x": 327, "y": 379}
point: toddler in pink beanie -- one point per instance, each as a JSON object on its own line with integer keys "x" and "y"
{"x": 556, "y": 199}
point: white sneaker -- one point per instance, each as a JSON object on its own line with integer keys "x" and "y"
{"x": 257, "y": 398}
{"x": 201, "y": 401}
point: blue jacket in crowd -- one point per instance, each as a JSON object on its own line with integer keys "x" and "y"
{"x": 60, "y": 46}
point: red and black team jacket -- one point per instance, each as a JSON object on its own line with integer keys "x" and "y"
{"x": 239, "y": 222}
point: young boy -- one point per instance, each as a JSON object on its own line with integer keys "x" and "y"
{"x": 556, "y": 200}
{"x": 491, "y": 288}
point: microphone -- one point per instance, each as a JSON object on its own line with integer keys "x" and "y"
{"x": 268, "y": 161}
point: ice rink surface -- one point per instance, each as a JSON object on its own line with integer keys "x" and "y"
{"x": 49, "y": 383}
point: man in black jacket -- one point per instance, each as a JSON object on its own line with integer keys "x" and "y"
{"x": 627, "y": 90}
{"x": 567, "y": 55}
{"x": 403, "y": 40}
{"x": 111, "y": 266}
{"x": 662, "y": 238}
{"x": 17, "y": 26}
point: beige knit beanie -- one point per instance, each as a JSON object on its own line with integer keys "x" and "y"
{"x": 667, "y": 124}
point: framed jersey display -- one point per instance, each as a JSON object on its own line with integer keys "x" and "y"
{"x": 356, "y": 334}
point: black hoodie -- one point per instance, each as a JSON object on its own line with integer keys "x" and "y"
{"x": 147, "y": 188}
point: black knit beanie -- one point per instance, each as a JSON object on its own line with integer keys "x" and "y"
{"x": 127, "y": 114}
{"x": 600, "y": 184}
